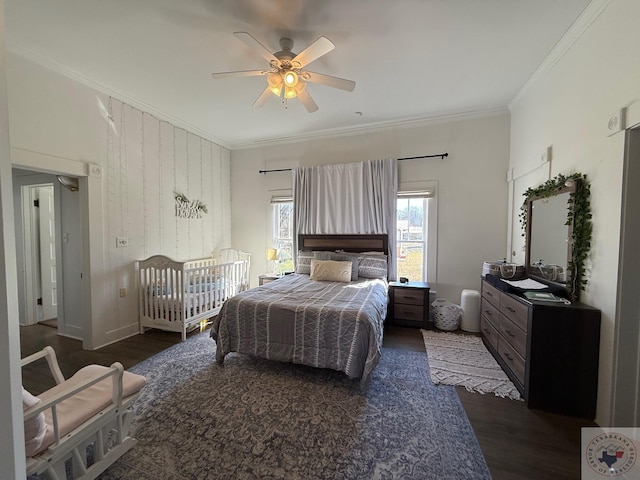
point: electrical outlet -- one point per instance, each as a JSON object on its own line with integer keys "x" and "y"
{"x": 123, "y": 292}
{"x": 122, "y": 242}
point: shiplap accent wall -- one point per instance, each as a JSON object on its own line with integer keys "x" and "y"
{"x": 149, "y": 159}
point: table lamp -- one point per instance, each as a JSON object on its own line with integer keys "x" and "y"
{"x": 272, "y": 257}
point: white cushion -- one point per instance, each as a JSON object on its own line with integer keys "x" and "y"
{"x": 330, "y": 271}
{"x": 35, "y": 428}
{"x": 79, "y": 408}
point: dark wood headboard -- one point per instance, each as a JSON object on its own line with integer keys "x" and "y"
{"x": 348, "y": 243}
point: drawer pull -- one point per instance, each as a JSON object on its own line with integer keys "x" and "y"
{"x": 489, "y": 294}
{"x": 509, "y": 357}
{"x": 489, "y": 313}
{"x": 511, "y": 309}
{"x": 409, "y": 297}
{"x": 508, "y": 332}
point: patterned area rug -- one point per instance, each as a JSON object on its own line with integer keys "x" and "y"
{"x": 259, "y": 419}
{"x": 464, "y": 360}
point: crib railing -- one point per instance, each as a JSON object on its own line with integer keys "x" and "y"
{"x": 174, "y": 295}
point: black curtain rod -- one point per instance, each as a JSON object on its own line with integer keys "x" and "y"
{"x": 441, "y": 155}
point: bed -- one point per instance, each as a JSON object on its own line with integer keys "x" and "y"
{"x": 176, "y": 296}
{"x": 299, "y": 319}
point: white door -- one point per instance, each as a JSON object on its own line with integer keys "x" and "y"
{"x": 48, "y": 253}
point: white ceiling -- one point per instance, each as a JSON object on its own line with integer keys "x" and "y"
{"x": 410, "y": 59}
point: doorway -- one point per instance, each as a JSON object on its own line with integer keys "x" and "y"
{"x": 49, "y": 250}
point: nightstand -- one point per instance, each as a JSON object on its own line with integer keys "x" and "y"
{"x": 409, "y": 304}
{"x": 267, "y": 277}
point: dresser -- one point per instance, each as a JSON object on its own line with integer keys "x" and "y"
{"x": 409, "y": 304}
{"x": 549, "y": 350}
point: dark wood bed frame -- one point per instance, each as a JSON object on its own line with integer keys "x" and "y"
{"x": 348, "y": 243}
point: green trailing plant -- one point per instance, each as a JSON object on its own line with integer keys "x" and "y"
{"x": 578, "y": 215}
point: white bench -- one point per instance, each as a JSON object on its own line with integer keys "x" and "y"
{"x": 87, "y": 419}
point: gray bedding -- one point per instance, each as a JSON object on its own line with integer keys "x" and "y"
{"x": 298, "y": 320}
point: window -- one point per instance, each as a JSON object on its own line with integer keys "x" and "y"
{"x": 415, "y": 224}
{"x": 282, "y": 215}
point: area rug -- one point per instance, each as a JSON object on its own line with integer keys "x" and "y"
{"x": 259, "y": 419}
{"x": 464, "y": 360}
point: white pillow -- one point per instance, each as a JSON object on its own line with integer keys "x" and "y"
{"x": 35, "y": 428}
{"x": 330, "y": 271}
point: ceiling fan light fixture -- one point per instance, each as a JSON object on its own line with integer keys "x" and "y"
{"x": 290, "y": 78}
{"x": 276, "y": 90}
{"x": 290, "y": 92}
{"x": 274, "y": 80}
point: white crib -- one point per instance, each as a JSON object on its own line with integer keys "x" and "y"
{"x": 176, "y": 296}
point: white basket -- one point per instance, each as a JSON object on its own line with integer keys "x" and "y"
{"x": 446, "y": 315}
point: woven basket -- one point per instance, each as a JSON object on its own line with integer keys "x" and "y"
{"x": 446, "y": 315}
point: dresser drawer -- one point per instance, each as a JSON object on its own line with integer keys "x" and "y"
{"x": 408, "y": 312}
{"x": 491, "y": 293}
{"x": 408, "y": 296}
{"x": 489, "y": 332}
{"x": 516, "y": 311}
{"x": 512, "y": 359}
{"x": 516, "y": 337}
{"x": 490, "y": 312}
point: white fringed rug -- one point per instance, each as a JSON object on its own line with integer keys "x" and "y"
{"x": 464, "y": 360}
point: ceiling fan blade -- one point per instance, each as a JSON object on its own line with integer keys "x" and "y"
{"x": 239, "y": 73}
{"x": 260, "y": 101}
{"x": 335, "y": 82}
{"x": 263, "y": 51}
{"x": 307, "y": 101}
{"x": 314, "y": 51}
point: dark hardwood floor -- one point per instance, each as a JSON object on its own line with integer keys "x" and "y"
{"x": 517, "y": 443}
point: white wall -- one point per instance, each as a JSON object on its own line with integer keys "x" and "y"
{"x": 12, "y": 454}
{"x": 140, "y": 161}
{"x": 472, "y": 191}
{"x": 568, "y": 108}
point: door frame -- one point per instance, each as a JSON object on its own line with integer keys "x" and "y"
{"x": 625, "y": 400}
{"x": 96, "y": 317}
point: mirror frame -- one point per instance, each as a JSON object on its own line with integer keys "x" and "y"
{"x": 578, "y": 221}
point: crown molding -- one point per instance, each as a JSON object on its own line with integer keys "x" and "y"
{"x": 575, "y": 31}
{"x": 118, "y": 94}
{"x": 375, "y": 127}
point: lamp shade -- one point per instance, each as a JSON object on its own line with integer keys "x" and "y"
{"x": 290, "y": 78}
{"x": 272, "y": 254}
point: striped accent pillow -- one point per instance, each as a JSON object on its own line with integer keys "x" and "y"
{"x": 303, "y": 265}
{"x": 373, "y": 266}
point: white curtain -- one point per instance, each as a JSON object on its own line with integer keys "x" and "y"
{"x": 352, "y": 198}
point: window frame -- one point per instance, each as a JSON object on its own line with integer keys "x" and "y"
{"x": 428, "y": 191}
{"x": 275, "y": 239}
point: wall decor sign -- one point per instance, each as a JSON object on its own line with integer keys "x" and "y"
{"x": 186, "y": 208}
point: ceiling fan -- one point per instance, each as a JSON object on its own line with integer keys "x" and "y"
{"x": 285, "y": 75}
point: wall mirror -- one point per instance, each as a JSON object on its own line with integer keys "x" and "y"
{"x": 557, "y": 221}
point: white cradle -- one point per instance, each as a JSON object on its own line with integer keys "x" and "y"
{"x": 88, "y": 417}
{"x": 176, "y": 296}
